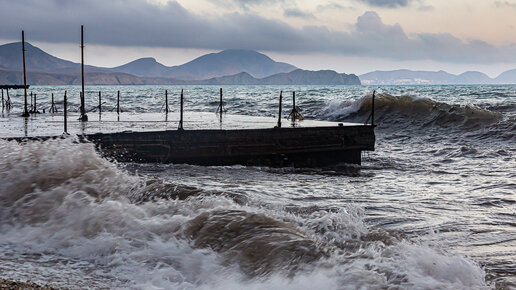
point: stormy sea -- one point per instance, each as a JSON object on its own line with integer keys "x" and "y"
{"x": 433, "y": 207}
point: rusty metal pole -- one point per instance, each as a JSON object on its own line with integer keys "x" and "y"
{"x": 280, "y": 104}
{"x": 83, "y": 117}
{"x": 65, "y": 114}
{"x": 25, "y": 111}
{"x": 181, "y": 112}
{"x": 372, "y": 109}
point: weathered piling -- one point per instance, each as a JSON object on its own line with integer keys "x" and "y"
{"x": 53, "y": 108}
{"x": 8, "y": 104}
{"x": 64, "y": 113}
{"x": 2, "y": 100}
{"x": 31, "y": 103}
{"x": 166, "y": 101}
{"x": 181, "y": 112}
{"x": 372, "y": 109}
{"x": 118, "y": 103}
{"x": 280, "y": 104}
{"x": 220, "y": 109}
{"x": 100, "y": 103}
{"x": 25, "y": 111}
{"x": 35, "y": 108}
{"x": 83, "y": 117}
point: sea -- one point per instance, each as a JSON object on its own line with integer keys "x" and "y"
{"x": 433, "y": 207}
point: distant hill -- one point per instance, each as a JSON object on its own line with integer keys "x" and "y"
{"x": 91, "y": 78}
{"x": 508, "y": 77}
{"x": 36, "y": 60}
{"x": 227, "y": 62}
{"x": 143, "y": 67}
{"x": 238, "y": 67}
{"x": 409, "y": 77}
{"x": 296, "y": 77}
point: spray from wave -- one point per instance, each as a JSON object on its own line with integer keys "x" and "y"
{"x": 71, "y": 218}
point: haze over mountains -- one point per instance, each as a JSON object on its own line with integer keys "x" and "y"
{"x": 229, "y": 67}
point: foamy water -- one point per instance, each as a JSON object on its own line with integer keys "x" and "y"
{"x": 433, "y": 207}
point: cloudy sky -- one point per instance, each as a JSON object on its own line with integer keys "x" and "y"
{"x": 352, "y": 36}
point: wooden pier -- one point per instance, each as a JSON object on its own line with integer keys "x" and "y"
{"x": 277, "y": 147}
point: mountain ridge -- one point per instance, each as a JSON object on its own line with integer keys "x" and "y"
{"x": 421, "y": 77}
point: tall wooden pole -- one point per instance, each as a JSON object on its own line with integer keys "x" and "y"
{"x": 25, "y": 111}
{"x": 83, "y": 117}
{"x": 280, "y": 103}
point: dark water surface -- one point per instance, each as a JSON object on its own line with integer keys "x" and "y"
{"x": 433, "y": 207}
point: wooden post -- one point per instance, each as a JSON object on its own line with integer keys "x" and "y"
{"x": 53, "y": 108}
{"x": 280, "y": 103}
{"x": 64, "y": 113}
{"x": 294, "y": 101}
{"x": 372, "y": 109}
{"x": 166, "y": 102}
{"x": 118, "y": 103}
{"x": 83, "y": 117}
{"x": 100, "y": 103}
{"x": 2, "y": 100}
{"x": 35, "y": 107}
{"x": 181, "y": 112}
{"x": 25, "y": 111}
{"x": 31, "y": 103}
{"x": 8, "y": 101}
{"x": 221, "y": 109}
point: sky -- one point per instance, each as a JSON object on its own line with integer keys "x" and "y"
{"x": 350, "y": 36}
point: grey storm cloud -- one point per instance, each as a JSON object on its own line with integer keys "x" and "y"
{"x": 139, "y": 23}
{"x": 387, "y": 3}
{"x": 295, "y": 12}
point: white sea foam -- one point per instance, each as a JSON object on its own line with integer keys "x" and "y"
{"x": 69, "y": 219}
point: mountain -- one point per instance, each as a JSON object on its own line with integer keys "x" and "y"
{"x": 472, "y": 77}
{"x": 296, "y": 77}
{"x": 233, "y": 66}
{"x": 508, "y": 77}
{"x": 143, "y": 67}
{"x": 91, "y": 78}
{"x": 227, "y": 62}
{"x": 35, "y": 58}
{"x": 406, "y": 77}
{"x": 409, "y": 77}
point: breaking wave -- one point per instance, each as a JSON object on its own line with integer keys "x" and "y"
{"x": 71, "y": 217}
{"x": 409, "y": 111}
